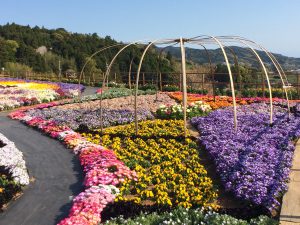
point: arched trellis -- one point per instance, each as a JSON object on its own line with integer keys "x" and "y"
{"x": 277, "y": 65}
{"x": 201, "y": 40}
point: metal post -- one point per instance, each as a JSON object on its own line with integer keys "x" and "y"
{"x": 184, "y": 92}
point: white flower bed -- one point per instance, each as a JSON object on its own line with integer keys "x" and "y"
{"x": 12, "y": 159}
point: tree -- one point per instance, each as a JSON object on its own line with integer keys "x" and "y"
{"x": 8, "y": 49}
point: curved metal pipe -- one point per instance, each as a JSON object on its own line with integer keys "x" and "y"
{"x": 236, "y": 64}
{"x": 137, "y": 82}
{"x": 95, "y": 53}
{"x": 277, "y": 66}
{"x": 266, "y": 74}
{"x": 230, "y": 75}
{"x": 104, "y": 78}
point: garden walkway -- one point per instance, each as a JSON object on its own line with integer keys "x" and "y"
{"x": 290, "y": 211}
{"x": 56, "y": 172}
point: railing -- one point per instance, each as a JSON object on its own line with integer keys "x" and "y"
{"x": 202, "y": 80}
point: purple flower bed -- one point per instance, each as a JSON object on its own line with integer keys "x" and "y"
{"x": 74, "y": 118}
{"x": 254, "y": 161}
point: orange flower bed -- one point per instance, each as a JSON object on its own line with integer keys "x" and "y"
{"x": 218, "y": 101}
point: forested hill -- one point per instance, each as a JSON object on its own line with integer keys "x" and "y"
{"x": 244, "y": 55}
{"x": 40, "y": 49}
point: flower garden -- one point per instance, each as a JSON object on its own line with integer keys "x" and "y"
{"x": 15, "y": 93}
{"x": 158, "y": 176}
{"x": 13, "y": 171}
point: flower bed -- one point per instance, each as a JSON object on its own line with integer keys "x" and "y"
{"x": 220, "y": 101}
{"x": 87, "y": 118}
{"x": 13, "y": 172}
{"x": 254, "y": 161}
{"x": 168, "y": 167}
{"x": 112, "y": 101}
{"x": 110, "y": 172}
{"x": 189, "y": 216}
{"x": 175, "y": 111}
{"x": 8, "y": 187}
{"x": 16, "y": 92}
{"x": 12, "y": 160}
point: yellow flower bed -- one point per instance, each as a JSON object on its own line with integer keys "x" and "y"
{"x": 30, "y": 85}
{"x": 168, "y": 167}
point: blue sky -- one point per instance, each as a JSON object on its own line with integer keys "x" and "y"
{"x": 273, "y": 23}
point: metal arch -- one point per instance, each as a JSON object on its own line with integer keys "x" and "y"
{"x": 184, "y": 91}
{"x": 270, "y": 55}
{"x": 158, "y": 68}
{"x": 87, "y": 61}
{"x": 278, "y": 68}
{"x": 137, "y": 81}
{"x": 236, "y": 63}
{"x": 276, "y": 64}
{"x": 266, "y": 74}
{"x": 230, "y": 76}
{"x": 104, "y": 78}
{"x": 95, "y": 53}
{"x": 210, "y": 67}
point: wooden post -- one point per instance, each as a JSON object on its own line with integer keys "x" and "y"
{"x": 203, "y": 82}
{"x": 213, "y": 84}
{"x": 298, "y": 87}
{"x": 263, "y": 85}
{"x": 180, "y": 82}
{"x": 160, "y": 82}
{"x": 115, "y": 77}
{"x": 129, "y": 79}
{"x": 144, "y": 79}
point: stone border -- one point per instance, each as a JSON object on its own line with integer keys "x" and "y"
{"x": 290, "y": 209}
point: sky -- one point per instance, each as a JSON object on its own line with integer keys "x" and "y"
{"x": 275, "y": 24}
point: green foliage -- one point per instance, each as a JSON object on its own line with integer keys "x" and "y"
{"x": 8, "y": 187}
{"x": 114, "y": 93}
{"x": 17, "y": 68}
{"x": 170, "y": 88}
{"x": 19, "y": 43}
{"x": 8, "y": 49}
{"x": 175, "y": 111}
{"x": 181, "y": 216}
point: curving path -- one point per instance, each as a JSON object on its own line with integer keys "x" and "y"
{"x": 56, "y": 172}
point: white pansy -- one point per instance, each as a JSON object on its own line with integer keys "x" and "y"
{"x": 12, "y": 159}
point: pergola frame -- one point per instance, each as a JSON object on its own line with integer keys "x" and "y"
{"x": 202, "y": 40}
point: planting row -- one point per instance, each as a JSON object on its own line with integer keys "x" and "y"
{"x": 13, "y": 172}
{"x": 168, "y": 166}
{"x": 15, "y": 92}
{"x": 253, "y": 161}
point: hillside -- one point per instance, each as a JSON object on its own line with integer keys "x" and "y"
{"x": 244, "y": 55}
{"x": 42, "y": 50}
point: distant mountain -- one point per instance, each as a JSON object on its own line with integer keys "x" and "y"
{"x": 244, "y": 55}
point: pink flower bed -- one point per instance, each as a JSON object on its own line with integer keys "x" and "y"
{"x": 103, "y": 171}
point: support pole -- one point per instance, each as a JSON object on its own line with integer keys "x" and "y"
{"x": 160, "y": 82}
{"x": 129, "y": 74}
{"x": 184, "y": 91}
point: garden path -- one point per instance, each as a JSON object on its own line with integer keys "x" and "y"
{"x": 290, "y": 210}
{"x": 55, "y": 171}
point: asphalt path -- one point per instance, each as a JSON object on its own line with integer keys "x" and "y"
{"x": 55, "y": 172}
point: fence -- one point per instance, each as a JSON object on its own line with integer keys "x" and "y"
{"x": 204, "y": 81}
